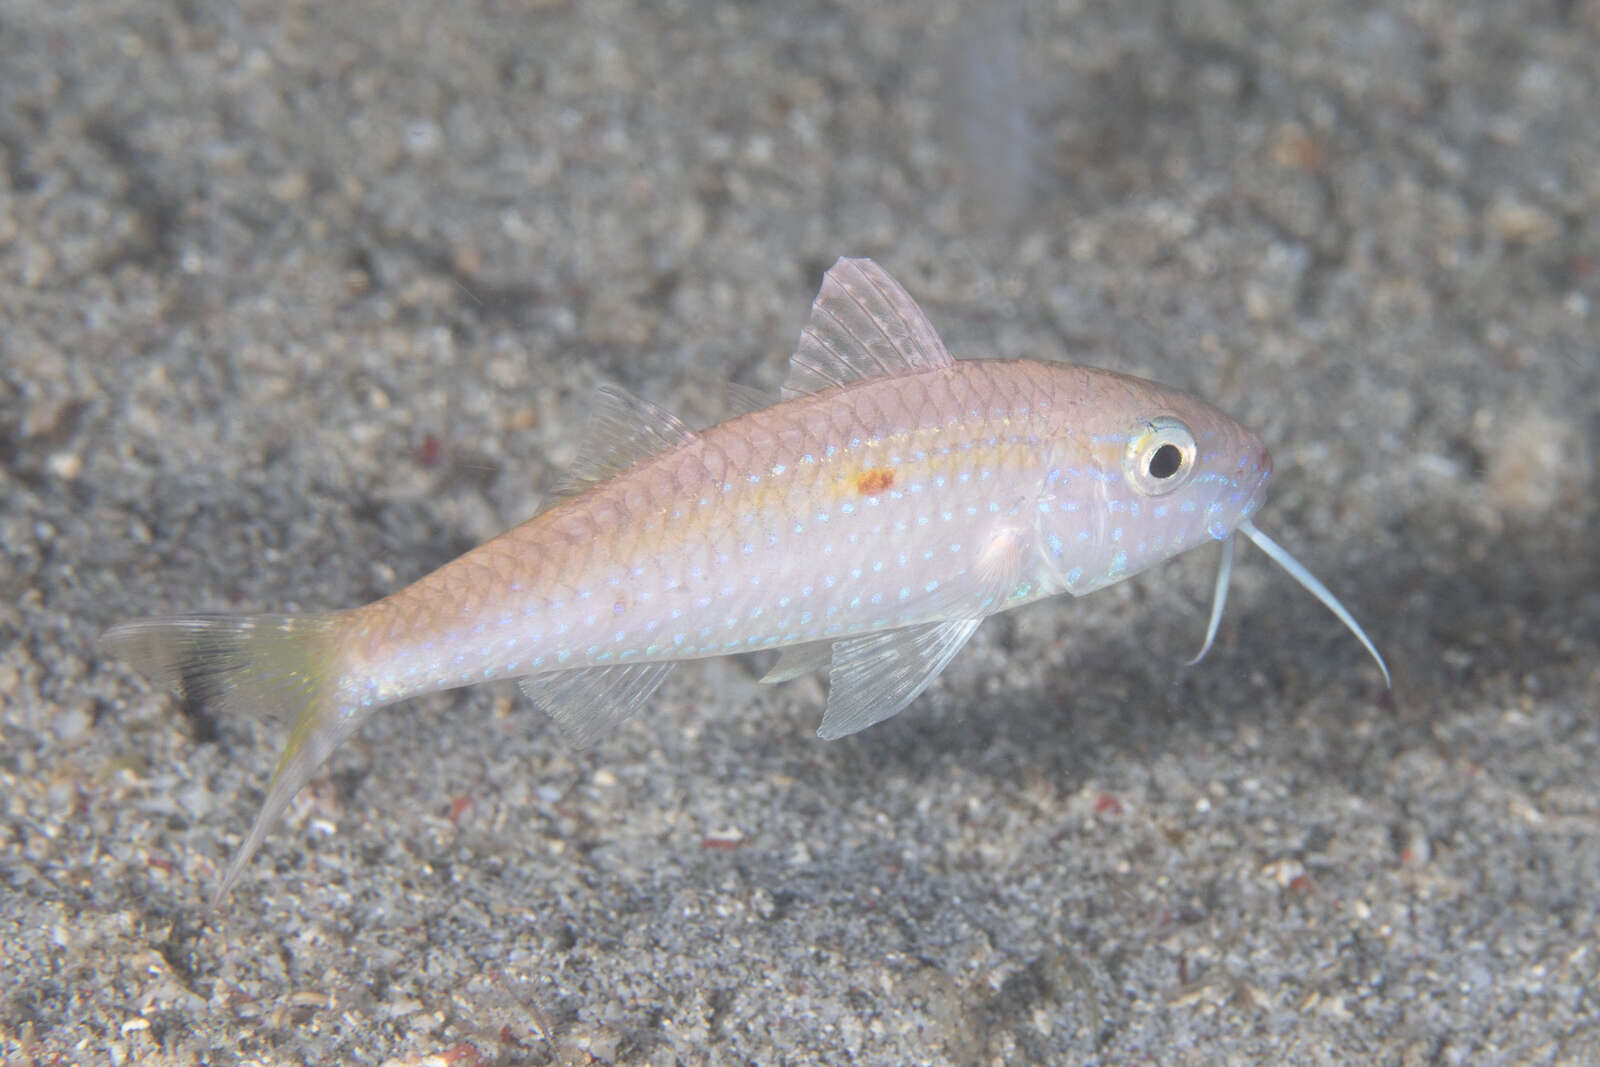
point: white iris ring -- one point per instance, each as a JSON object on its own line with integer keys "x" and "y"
{"x": 1161, "y": 457}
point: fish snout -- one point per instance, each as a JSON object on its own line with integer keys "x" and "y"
{"x": 1255, "y": 474}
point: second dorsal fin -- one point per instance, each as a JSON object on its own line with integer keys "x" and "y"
{"x": 623, "y": 429}
{"x": 863, "y": 325}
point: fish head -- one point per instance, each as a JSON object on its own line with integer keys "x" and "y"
{"x": 1139, "y": 473}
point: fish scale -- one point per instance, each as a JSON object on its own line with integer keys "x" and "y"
{"x": 804, "y": 521}
{"x": 690, "y": 555}
{"x": 866, "y": 524}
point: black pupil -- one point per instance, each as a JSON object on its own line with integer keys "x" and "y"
{"x": 1166, "y": 461}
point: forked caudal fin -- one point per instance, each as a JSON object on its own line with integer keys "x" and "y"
{"x": 281, "y": 665}
{"x": 1280, "y": 555}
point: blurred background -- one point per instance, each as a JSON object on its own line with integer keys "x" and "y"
{"x": 298, "y": 302}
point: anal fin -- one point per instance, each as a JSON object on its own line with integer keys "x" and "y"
{"x": 589, "y": 702}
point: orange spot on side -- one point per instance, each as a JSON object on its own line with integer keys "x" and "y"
{"x": 875, "y": 481}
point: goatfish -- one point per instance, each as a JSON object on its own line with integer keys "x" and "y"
{"x": 865, "y": 524}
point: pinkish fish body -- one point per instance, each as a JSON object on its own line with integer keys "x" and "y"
{"x": 866, "y": 524}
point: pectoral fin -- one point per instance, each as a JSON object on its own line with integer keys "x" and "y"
{"x": 799, "y": 659}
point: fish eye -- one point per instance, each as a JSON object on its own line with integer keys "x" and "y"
{"x": 1161, "y": 456}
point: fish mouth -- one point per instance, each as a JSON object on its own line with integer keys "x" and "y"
{"x": 1263, "y": 471}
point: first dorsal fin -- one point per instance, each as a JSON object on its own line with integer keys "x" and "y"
{"x": 863, "y": 325}
{"x": 623, "y": 429}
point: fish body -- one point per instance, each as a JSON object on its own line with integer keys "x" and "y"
{"x": 951, "y": 493}
{"x": 865, "y": 524}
